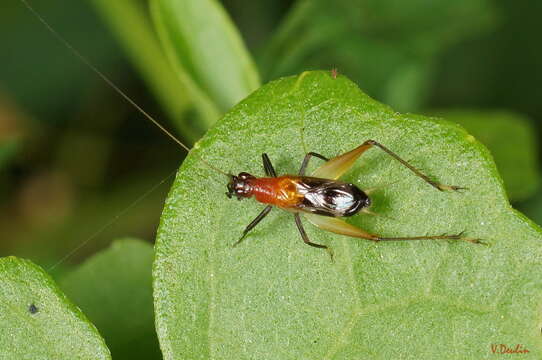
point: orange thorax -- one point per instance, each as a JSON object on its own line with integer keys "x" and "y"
{"x": 282, "y": 191}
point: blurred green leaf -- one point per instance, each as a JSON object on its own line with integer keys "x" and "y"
{"x": 132, "y": 27}
{"x": 37, "y": 72}
{"x": 8, "y": 148}
{"x": 275, "y": 295}
{"x": 380, "y": 44}
{"x": 37, "y": 321}
{"x": 204, "y": 45}
{"x": 114, "y": 289}
{"x": 511, "y": 139}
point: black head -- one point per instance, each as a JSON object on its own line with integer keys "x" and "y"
{"x": 240, "y": 186}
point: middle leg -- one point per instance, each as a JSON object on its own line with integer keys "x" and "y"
{"x": 305, "y": 162}
{"x": 306, "y": 239}
{"x": 268, "y": 166}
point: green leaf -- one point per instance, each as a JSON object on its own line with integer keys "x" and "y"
{"x": 37, "y": 321}
{"x": 114, "y": 289}
{"x": 273, "y": 294}
{"x": 201, "y": 41}
{"x": 510, "y": 138}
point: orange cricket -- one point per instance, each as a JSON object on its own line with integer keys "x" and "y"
{"x": 321, "y": 197}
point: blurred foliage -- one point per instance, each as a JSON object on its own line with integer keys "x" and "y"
{"x": 532, "y": 207}
{"x": 11, "y": 132}
{"x": 498, "y": 69}
{"x": 510, "y": 138}
{"x": 113, "y": 289}
{"x": 388, "y": 47}
{"x": 224, "y": 82}
{"x": 129, "y": 21}
{"x": 37, "y": 70}
{"x": 8, "y": 148}
{"x": 53, "y": 218}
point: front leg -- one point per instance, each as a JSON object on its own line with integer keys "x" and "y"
{"x": 254, "y": 222}
{"x": 268, "y": 166}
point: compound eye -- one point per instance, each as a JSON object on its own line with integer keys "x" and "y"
{"x": 244, "y": 175}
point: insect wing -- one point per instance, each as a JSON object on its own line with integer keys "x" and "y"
{"x": 330, "y": 197}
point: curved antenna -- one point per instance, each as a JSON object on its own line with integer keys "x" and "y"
{"x": 112, "y": 85}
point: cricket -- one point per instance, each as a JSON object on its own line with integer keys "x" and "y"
{"x": 321, "y": 197}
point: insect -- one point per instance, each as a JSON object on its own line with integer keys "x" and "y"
{"x": 321, "y": 197}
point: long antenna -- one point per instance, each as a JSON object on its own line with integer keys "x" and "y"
{"x": 111, "y": 84}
